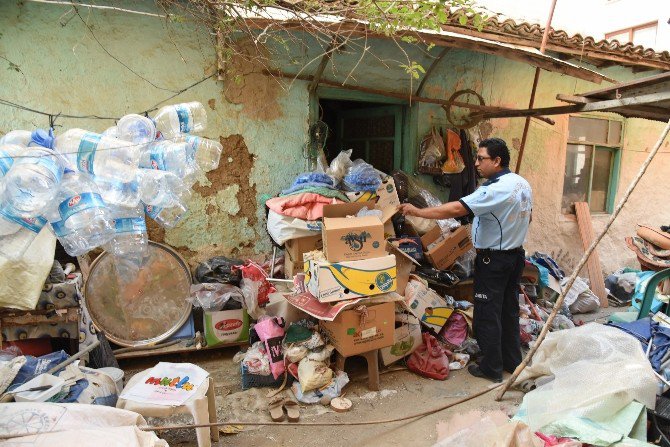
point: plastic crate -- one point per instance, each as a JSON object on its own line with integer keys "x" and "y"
{"x": 257, "y": 381}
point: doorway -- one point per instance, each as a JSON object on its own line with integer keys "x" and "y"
{"x": 373, "y": 130}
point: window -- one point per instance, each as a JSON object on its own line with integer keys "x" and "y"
{"x": 592, "y": 163}
{"x": 644, "y": 35}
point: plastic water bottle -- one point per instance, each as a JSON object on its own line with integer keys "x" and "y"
{"x": 137, "y": 129}
{"x": 7, "y": 154}
{"x": 161, "y": 188}
{"x": 20, "y": 137}
{"x": 32, "y": 182}
{"x": 166, "y": 217}
{"x": 16, "y": 233}
{"x": 171, "y": 157}
{"x": 118, "y": 193}
{"x": 206, "y": 153}
{"x": 112, "y": 132}
{"x": 189, "y": 117}
{"x": 130, "y": 232}
{"x": 99, "y": 155}
{"x": 80, "y": 218}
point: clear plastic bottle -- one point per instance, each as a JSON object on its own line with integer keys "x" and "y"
{"x": 32, "y": 182}
{"x": 189, "y": 117}
{"x": 80, "y": 215}
{"x": 161, "y": 188}
{"x": 137, "y": 129}
{"x": 172, "y": 157}
{"x": 20, "y": 137}
{"x": 99, "y": 155}
{"x": 118, "y": 193}
{"x": 166, "y": 217}
{"x": 16, "y": 233}
{"x": 130, "y": 232}
{"x": 7, "y": 154}
{"x": 206, "y": 153}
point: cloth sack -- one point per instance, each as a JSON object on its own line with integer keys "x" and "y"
{"x": 430, "y": 359}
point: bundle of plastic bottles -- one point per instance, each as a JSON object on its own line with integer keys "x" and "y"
{"x": 94, "y": 190}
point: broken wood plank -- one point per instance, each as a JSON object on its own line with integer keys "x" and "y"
{"x": 596, "y": 282}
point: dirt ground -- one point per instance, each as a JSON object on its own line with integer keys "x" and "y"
{"x": 402, "y": 393}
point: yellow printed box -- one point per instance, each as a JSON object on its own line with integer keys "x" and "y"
{"x": 347, "y": 280}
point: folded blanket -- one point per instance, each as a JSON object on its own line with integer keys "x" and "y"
{"x": 306, "y": 206}
{"x": 321, "y": 190}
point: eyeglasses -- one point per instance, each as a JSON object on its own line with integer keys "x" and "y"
{"x": 480, "y": 158}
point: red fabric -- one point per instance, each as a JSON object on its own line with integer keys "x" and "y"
{"x": 430, "y": 359}
{"x": 305, "y": 206}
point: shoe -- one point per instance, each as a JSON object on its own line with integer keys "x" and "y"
{"x": 475, "y": 371}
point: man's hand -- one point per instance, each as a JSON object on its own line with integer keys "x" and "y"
{"x": 407, "y": 209}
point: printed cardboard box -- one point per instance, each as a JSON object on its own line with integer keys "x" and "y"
{"x": 351, "y": 238}
{"x": 406, "y": 338}
{"x": 425, "y": 304}
{"x": 361, "y": 196}
{"x": 293, "y": 251}
{"x": 338, "y": 281}
{"x": 446, "y": 251}
{"x": 226, "y": 326}
{"x": 350, "y": 337}
{"x": 404, "y": 267}
{"x": 387, "y": 194}
{"x": 410, "y": 245}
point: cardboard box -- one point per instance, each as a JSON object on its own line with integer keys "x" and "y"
{"x": 351, "y": 338}
{"x": 338, "y": 281}
{"x": 406, "y": 338}
{"x": 353, "y": 238}
{"x": 445, "y": 253}
{"x": 410, "y": 245}
{"x": 226, "y": 326}
{"x": 387, "y": 195}
{"x": 425, "y": 304}
{"x": 293, "y": 251}
{"x": 361, "y": 196}
{"x": 404, "y": 267}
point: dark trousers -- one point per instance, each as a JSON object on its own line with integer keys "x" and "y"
{"x": 496, "y": 315}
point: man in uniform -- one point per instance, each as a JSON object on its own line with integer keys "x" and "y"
{"x": 502, "y": 208}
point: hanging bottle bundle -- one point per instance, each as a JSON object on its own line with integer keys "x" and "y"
{"x": 94, "y": 190}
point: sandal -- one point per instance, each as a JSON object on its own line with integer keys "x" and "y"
{"x": 292, "y": 409}
{"x": 275, "y": 408}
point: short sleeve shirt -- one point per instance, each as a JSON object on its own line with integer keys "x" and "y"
{"x": 502, "y": 208}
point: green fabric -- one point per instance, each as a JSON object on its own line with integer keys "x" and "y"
{"x": 296, "y": 333}
{"x": 322, "y": 191}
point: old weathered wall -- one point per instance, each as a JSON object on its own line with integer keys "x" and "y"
{"x": 61, "y": 68}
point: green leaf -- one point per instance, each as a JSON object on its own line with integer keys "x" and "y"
{"x": 463, "y": 19}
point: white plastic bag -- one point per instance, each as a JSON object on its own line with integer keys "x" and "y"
{"x": 283, "y": 228}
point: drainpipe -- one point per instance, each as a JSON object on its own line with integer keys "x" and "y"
{"x": 526, "y": 125}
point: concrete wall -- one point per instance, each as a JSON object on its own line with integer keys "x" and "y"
{"x": 262, "y": 122}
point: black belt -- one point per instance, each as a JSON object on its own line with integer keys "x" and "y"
{"x": 489, "y": 251}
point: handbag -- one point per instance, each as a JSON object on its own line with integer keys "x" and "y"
{"x": 430, "y": 359}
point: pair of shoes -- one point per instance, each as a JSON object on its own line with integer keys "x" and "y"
{"x": 280, "y": 403}
{"x": 477, "y": 372}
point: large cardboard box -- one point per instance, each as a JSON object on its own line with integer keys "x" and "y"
{"x": 446, "y": 251}
{"x": 295, "y": 248}
{"x": 226, "y": 326}
{"x": 351, "y": 238}
{"x": 338, "y": 281}
{"x": 406, "y": 338}
{"x": 350, "y": 337}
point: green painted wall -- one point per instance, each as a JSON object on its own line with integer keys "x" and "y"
{"x": 263, "y": 122}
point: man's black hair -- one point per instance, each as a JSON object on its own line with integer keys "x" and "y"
{"x": 496, "y": 147}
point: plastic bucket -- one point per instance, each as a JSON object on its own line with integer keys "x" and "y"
{"x": 117, "y": 376}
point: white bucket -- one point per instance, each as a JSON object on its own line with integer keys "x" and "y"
{"x": 117, "y": 376}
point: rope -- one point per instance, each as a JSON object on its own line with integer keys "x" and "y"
{"x": 324, "y": 424}
{"x": 582, "y": 262}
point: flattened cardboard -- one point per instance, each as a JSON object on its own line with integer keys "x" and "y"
{"x": 347, "y": 280}
{"x": 446, "y": 252}
{"x": 350, "y": 337}
{"x": 353, "y": 238}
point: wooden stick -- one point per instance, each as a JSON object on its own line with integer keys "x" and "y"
{"x": 582, "y": 262}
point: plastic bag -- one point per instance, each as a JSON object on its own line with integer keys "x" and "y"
{"x": 213, "y": 297}
{"x": 455, "y": 332}
{"x": 431, "y": 153}
{"x": 454, "y": 163}
{"x": 271, "y": 332}
{"x": 361, "y": 176}
{"x": 430, "y": 359}
{"x": 255, "y": 287}
{"x": 313, "y": 374}
{"x": 464, "y": 267}
{"x": 219, "y": 269}
{"x": 9, "y": 353}
{"x": 339, "y": 166}
{"x": 256, "y": 360}
{"x": 334, "y": 389}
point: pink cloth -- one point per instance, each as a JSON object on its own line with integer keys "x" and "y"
{"x": 306, "y": 206}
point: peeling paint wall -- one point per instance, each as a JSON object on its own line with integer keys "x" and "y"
{"x": 262, "y": 122}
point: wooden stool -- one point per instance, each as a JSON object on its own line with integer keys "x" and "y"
{"x": 372, "y": 357}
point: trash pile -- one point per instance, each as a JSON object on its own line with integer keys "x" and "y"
{"x": 93, "y": 190}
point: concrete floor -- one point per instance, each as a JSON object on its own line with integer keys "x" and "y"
{"x": 403, "y": 393}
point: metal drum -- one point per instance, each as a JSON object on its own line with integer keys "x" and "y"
{"x": 138, "y": 304}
